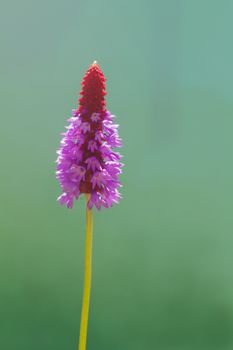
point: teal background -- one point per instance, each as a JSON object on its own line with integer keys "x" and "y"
{"x": 162, "y": 259}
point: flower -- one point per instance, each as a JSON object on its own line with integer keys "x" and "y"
{"x": 87, "y": 162}
{"x": 92, "y": 146}
{"x": 95, "y": 117}
{"x": 78, "y": 172}
{"x": 85, "y": 127}
{"x": 92, "y": 163}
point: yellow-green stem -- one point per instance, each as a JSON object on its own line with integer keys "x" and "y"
{"x": 87, "y": 279}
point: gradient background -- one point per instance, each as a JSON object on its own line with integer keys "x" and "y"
{"x": 162, "y": 264}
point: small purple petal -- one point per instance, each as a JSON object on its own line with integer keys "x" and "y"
{"x": 92, "y": 145}
{"x": 78, "y": 172}
{"x": 93, "y": 163}
{"x": 95, "y": 117}
{"x": 74, "y": 112}
{"x": 66, "y": 198}
{"x": 99, "y": 179}
{"x": 85, "y": 127}
{"x": 99, "y": 136}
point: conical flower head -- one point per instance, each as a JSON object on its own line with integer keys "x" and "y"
{"x": 86, "y": 160}
{"x": 93, "y": 90}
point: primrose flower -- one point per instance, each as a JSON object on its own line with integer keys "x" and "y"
{"x": 92, "y": 146}
{"x": 87, "y": 162}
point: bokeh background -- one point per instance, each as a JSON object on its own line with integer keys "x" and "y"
{"x": 163, "y": 258}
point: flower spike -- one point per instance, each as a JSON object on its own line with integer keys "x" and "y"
{"x": 87, "y": 147}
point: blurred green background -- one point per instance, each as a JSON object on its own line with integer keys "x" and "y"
{"x": 162, "y": 260}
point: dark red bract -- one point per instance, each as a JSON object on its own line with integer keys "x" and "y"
{"x": 93, "y": 91}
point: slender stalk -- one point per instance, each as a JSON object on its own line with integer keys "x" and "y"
{"x": 87, "y": 279}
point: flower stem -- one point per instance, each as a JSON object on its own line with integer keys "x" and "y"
{"x": 87, "y": 279}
